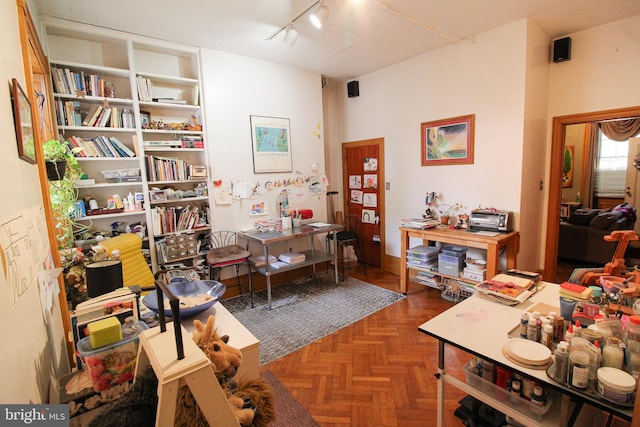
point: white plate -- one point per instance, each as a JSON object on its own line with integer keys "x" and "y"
{"x": 529, "y": 352}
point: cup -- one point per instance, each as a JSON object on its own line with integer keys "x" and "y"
{"x": 297, "y": 222}
{"x": 566, "y": 308}
{"x": 286, "y": 222}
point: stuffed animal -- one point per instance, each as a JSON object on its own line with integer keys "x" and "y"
{"x": 251, "y": 400}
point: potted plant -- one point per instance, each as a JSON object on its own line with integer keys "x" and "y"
{"x": 55, "y": 157}
{"x": 62, "y": 190}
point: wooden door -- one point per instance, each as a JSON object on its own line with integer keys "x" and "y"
{"x": 363, "y": 194}
{"x": 632, "y": 185}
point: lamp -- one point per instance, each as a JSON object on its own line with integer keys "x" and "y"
{"x": 291, "y": 35}
{"x": 319, "y": 16}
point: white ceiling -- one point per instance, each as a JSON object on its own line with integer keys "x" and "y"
{"x": 360, "y": 36}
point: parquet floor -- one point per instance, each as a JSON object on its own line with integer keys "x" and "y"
{"x": 378, "y": 371}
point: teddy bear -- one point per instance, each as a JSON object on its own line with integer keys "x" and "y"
{"x": 250, "y": 399}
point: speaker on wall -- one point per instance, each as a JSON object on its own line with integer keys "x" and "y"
{"x": 353, "y": 89}
{"x": 562, "y": 49}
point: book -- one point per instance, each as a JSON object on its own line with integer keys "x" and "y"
{"x": 292, "y": 257}
{"x": 122, "y": 147}
{"x": 91, "y": 115}
{"x": 506, "y": 290}
{"x": 276, "y": 265}
{"x": 258, "y": 261}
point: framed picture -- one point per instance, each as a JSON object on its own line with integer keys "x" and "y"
{"x": 448, "y": 141}
{"x": 145, "y": 119}
{"x": 23, "y": 122}
{"x": 271, "y": 139}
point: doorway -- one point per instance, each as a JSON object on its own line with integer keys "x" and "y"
{"x": 556, "y": 173}
{"x": 363, "y": 197}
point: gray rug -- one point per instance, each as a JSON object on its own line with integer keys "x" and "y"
{"x": 306, "y": 310}
{"x": 289, "y": 412}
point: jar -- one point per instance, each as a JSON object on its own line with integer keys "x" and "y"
{"x": 561, "y": 362}
{"x": 616, "y": 385}
{"x": 631, "y": 334}
{"x": 612, "y": 354}
{"x": 524, "y": 321}
{"x": 537, "y": 397}
{"x": 516, "y": 387}
{"x": 547, "y": 336}
{"x": 579, "y": 369}
{"x": 127, "y": 118}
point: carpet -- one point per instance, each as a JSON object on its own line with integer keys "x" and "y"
{"x": 303, "y": 311}
{"x": 289, "y": 412}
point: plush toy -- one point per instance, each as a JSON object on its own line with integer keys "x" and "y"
{"x": 251, "y": 400}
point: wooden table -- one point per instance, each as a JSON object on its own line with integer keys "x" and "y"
{"x": 492, "y": 244}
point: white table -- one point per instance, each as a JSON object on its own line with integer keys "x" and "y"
{"x": 481, "y": 327}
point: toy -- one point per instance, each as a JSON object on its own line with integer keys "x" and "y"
{"x": 251, "y": 400}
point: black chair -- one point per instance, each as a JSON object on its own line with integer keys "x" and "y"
{"x": 348, "y": 237}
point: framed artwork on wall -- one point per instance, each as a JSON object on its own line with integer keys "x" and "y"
{"x": 448, "y": 141}
{"x": 23, "y": 121}
{"x": 567, "y": 167}
{"x": 271, "y": 138}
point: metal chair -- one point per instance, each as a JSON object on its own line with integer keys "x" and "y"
{"x": 225, "y": 252}
{"x": 348, "y": 237}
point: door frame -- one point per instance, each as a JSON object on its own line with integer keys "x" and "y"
{"x": 379, "y": 142}
{"x": 555, "y": 176}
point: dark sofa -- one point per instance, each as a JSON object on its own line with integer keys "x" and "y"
{"x": 581, "y": 238}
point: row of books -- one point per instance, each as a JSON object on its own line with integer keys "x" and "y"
{"x": 68, "y": 113}
{"x": 172, "y": 219}
{"x": 99, "y": 146}
{"x": 145, "y": 88}
{"x": 69, "y": 82}
{"x": 167, "y": 169}
{"x": 184, "y": 142}
{"x": 101, "y": 116}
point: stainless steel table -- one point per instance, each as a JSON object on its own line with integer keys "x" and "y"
{"x": 313, "y": 256}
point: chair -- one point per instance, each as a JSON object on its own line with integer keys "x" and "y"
{"x": 225, "y": 252}
{"x": 347, "y": 237}
{"x": 135, "y": 270}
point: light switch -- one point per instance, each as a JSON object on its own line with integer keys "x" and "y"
{"x": 387, "y": 185}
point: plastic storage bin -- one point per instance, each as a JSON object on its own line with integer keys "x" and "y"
{"x": 122, "y": 175}
{"x": 112, "y": 364}
{"x": 456, "y": 251}
{"x": 423, "y": 256}
{"x": 520, "y": 404}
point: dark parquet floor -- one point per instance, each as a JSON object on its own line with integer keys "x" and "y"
{"x": 378, "y": 371}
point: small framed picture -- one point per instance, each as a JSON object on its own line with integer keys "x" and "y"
{"x": 145, "y": 119}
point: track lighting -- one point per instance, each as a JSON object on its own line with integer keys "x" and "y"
{"x": 319, "y": 16}
{"x": 291, "y": 35}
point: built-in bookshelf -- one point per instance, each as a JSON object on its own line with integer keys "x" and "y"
{"x": 131, "y": 108}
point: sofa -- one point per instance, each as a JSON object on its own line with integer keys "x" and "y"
{"x": 581, "y": 237}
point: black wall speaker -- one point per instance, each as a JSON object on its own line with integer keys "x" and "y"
{"x": 353, "y": 89}
{"x": 562, "y": 49}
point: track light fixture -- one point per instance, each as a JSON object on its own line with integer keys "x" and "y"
{"x": 319, "y": 16}
{"x": 291, "y": 35}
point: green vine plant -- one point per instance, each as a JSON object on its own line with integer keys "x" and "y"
{"x": 63, "y": 193}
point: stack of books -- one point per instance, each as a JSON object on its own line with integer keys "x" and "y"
{"x": 419, "y": 223}
{"x": 292, "y": 257}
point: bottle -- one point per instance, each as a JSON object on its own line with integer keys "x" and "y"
{"x": 516, "y": 390}
{"x": 547, "y": 336}
{"x": 594, "y": 363}
{"x": 577, "y": 328}
{"x": 537, "y": 397}
{"x": 579, "y": 369}
{"x": 569, "y": 335}
{"x": 524, "y": 320}
{"x": 578, "y": 198}
{"x": 559, "y": 327}
{"x": 131, "y": 201}
{"x": 561, "y": 362}
{"x": 532, "y": 329}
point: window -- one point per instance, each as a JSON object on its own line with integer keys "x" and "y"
{"x": 611, "y": 167}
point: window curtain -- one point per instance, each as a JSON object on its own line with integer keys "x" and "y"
{"x": 591, "y": 153}
{"x": 621, "y": 130}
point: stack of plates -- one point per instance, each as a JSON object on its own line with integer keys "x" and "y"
{"x": 526, "y": 352}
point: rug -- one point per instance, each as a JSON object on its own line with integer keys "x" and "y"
{"x": 303, "y": 311}
{"x": 289, "y": 412}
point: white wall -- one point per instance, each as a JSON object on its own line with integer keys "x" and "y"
{"x": 485, "y": 78}
{"x": 601, "y": 75}
{"x": 33, "y": 349}
{"x": 236, "y": 87}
